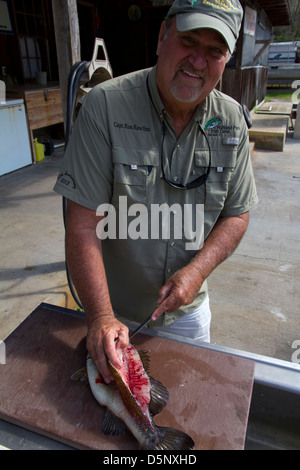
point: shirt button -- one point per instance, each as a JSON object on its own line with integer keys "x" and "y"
{"x": 168, "y": 270}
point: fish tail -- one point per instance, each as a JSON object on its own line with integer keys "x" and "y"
{"x": 173, "y": 439}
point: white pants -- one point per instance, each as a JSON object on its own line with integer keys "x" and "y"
{"x": 194, "y": 325}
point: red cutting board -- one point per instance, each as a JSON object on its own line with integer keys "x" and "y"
{"x": 210, "y": 392}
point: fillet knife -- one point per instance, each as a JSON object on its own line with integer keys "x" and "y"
{"x": 144, "y": 323}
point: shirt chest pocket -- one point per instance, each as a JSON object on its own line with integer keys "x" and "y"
{"x": 223, "y": 162}
{"x": 133, "y": 173}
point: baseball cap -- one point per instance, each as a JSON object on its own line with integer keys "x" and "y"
{"x": 225, "y": 16}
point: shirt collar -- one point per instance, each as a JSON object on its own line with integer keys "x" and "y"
{"x": 158, "y": 104}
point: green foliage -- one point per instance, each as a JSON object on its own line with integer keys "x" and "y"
{"x": 291, "y": 32}
{"x": 279, "y": 94}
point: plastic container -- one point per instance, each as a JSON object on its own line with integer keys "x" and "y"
{"x": 39, "y": 151}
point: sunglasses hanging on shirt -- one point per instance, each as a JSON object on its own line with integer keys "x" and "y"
{"x": 198, "y": 181}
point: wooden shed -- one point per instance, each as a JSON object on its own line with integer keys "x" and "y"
{"x": 130, "y": 29}
{"x": 246, "y": 75}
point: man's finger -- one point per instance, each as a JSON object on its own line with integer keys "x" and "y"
{"x": 163, "y": 293}
{"x": 110, "y": 349}
{"x": 123, "y": 338}
{"x": 157, "y": 312}
{"x": 104, "y": 371}
{"x": 101, "y": 363}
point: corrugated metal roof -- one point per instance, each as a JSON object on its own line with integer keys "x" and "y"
{"x": 277, "y": 11}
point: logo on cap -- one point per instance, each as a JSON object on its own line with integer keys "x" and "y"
{"x": 224, "y": 4}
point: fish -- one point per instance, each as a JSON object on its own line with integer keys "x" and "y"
{"x": 132, "y": 400}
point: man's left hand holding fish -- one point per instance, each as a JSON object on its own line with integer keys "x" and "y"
{"x": 105, "y": 339}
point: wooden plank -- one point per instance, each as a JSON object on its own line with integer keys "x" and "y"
{"x": 269, "y": 131}
{"x": 276, "y": 108}
{"x": 44, "y": 108}
{"x": 210, "y": 392}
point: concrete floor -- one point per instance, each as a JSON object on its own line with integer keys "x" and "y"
{"x": 254, "y": 294}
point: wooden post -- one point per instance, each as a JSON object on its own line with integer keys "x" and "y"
{"x": 67, "y": 38}
{"x": 297, "y": 123}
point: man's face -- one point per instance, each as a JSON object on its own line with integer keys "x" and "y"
{"x": 190, "y": 64}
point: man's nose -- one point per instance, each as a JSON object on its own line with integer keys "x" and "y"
{"x": 198, "y": 59}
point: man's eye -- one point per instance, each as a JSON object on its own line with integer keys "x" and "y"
{"x": 216, "y": 51}
{"x": 188, "y": 40}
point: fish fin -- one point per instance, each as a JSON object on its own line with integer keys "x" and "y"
{"x": 159, "y": 393}
{"x": 145, "y": 359}
{"x": 80, "y": 375}
{"x": 173, "y": 439}
{"x": 112, "y": 425}
{"x": 159, "y": 396}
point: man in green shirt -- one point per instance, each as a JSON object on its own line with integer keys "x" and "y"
{"x": 159, "y": 183}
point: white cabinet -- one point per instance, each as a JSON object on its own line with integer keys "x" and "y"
{"x": 15, "y": 150}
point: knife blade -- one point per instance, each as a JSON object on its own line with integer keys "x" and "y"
{"x": 144, "y": 323}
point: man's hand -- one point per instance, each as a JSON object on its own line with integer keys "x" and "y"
{"x": 180, "y": 289}
{"x": 106, "y": 338}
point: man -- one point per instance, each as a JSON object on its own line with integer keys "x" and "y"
{"x": 162, "y": 135}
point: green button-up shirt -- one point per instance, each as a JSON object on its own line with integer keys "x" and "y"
{"x": 115, "y": 157}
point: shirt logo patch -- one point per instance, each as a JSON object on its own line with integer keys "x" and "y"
{"x": 212, "y": 123}
{"x": 67, "y": 180}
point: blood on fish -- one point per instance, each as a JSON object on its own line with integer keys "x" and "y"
{"x": 135, "y": 377}
{"x": 99, "y": 380}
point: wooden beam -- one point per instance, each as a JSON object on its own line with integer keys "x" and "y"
{"x": 265, "y": 44}
{"x": 67, "y": 39}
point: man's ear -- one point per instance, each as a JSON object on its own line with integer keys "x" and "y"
{"x": 161, "y": 37}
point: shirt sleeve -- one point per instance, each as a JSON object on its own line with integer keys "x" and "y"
{"x": 242, "y": 195}
{"x": 86, "y": 173}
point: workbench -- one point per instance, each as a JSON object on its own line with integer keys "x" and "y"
{"x": 210, "y": 392}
